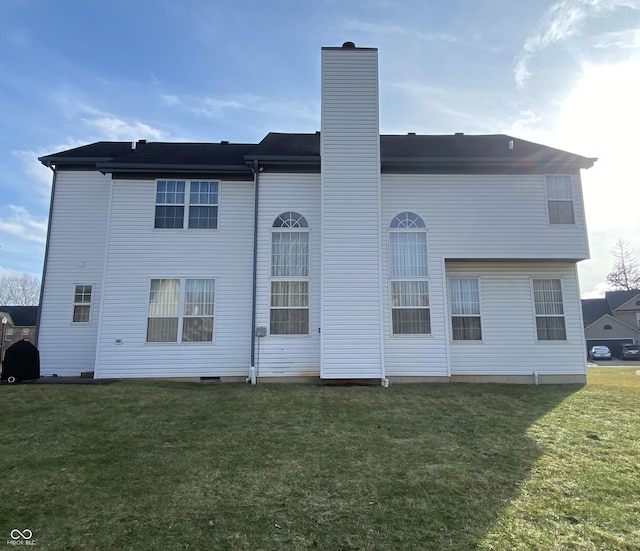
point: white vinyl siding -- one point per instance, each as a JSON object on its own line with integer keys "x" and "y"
{"x": 350, "y": 200}
{"x": 77, "y": 250}
{"x": 510, "y": 344}
{"x": 487, "y": 216}
{"x": 224, "y": 255}
{"x": 288, "y": 355}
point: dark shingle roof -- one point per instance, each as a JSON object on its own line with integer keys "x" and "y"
{"x": 22, "y": 316}
{"x": 618, "y": 298}
{"x": 419, "y": 153}
{"x": 593, "y": 309}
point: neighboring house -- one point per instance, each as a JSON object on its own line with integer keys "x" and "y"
{"x": 613, "y": 320}
{"x": 340, "y": 254}
{"x": 21, "y": 325}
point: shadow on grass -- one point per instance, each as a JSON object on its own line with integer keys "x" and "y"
{"x": 171, "y": 466}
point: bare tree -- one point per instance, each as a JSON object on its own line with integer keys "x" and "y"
{"x": 626, "y": 273}
{"x": 19, "y": 290}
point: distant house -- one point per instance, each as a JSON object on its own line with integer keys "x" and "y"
{"x": 21, "y": 324}
{"x": 339, "y": 254}
{"x": 613, "y": 320}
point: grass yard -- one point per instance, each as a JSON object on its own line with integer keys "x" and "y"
{"x": 167, "y": 466}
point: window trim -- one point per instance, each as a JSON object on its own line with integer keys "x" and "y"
{"x": 8, "y": 334}
{"x": 82, "y": 303}
{"x": 548, "y": 200}
{"x": 181, "y": 315}
{"x": 418, "y": 226}
{"x": 451, "y": 315}
{"x": 536, "y": 315}
{"x": 303, "y": 227}
{"x": 186, "y": 205}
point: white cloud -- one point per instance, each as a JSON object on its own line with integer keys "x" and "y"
{"x": 117, "y": 129}
{"x": 563, "y": 20}
{"x": 35, "y": 170}
{"x": 108, "y": 125}
{"x": 24, "y": 225}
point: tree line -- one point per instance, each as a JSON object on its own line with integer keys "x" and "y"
{"x": 19, "y": 290}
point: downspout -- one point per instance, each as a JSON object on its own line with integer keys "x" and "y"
{"x": 46, "y": 254}
{"x": 256, "y": 185}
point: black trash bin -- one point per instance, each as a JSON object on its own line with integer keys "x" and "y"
{"x": 21, "y": 363}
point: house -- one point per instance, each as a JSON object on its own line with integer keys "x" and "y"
{"x": 20, "y": 325}
{"x": 339, "y": 254}
{"x": 613, "y": 320}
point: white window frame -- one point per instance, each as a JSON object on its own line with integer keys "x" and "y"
{"x": 547, "y": 314}
{"x": 181, "y": 315}
{"x": 465, "y": 315}
{"x": 290, "y": 222}
{"x": 408, "y": 223}
{"x": 25, "y": 333}
{"x": 8, "y": 334}
{"x": 557, "y": 191}
{"x": 638, "y": 320}
{"x": 187, "y": 204}
{"x": 81, "y": 304}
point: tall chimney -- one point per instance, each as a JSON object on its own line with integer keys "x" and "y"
{"x": 351, "y": 303}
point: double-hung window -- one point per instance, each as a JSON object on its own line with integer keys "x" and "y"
{"x": 181, "y": 310}
{"x": 410, "y": 313}
{"x": 8, "y": 335}
{"x": 465, "y": 310}
{"x": 190, "y": 204}
{"x": 82, "y": 303}
{"x": 560, "y": 199}
{"x": 289, "y": 312}
{"x": 547, "y": 296}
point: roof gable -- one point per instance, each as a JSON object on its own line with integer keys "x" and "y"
{"x": 617, "y": 299}
{"x": 593, "y": 309}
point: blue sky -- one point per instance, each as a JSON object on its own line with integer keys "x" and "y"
{"x": 564, "y": 73}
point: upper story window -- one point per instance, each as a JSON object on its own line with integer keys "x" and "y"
{"x": 289, "y": 312}
{"x": 181, "y": 204}
{"x": 410, "y": 312}
{"x": 25, "y": 333}
{"x": 560, "y": 199}
{"x": 8, "y": 334}
{"x": 547, "y": 296}
{"x": 82, "y": 303}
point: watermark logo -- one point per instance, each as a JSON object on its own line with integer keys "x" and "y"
{"x": 21, "y": 537}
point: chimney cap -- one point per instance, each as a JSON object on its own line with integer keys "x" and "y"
{"x": 350, "y": 45}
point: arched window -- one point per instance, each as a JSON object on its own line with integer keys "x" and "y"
{"x": 289, "y": 312}
{"x": 608, "y": 328}
{"x": 407, "y": 220}
{"x": 290, "y": 219}
{"x": 410, "y": 314}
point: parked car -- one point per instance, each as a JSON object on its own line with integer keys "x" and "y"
{"x": 600, "y": 353}
{"x": 631, "y": 351}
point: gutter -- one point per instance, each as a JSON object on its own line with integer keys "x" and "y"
{"x": 46, "y": 253}
{"x": 256, "y": 186}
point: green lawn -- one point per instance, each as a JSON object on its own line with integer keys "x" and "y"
{"x": 163, "y": 466}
